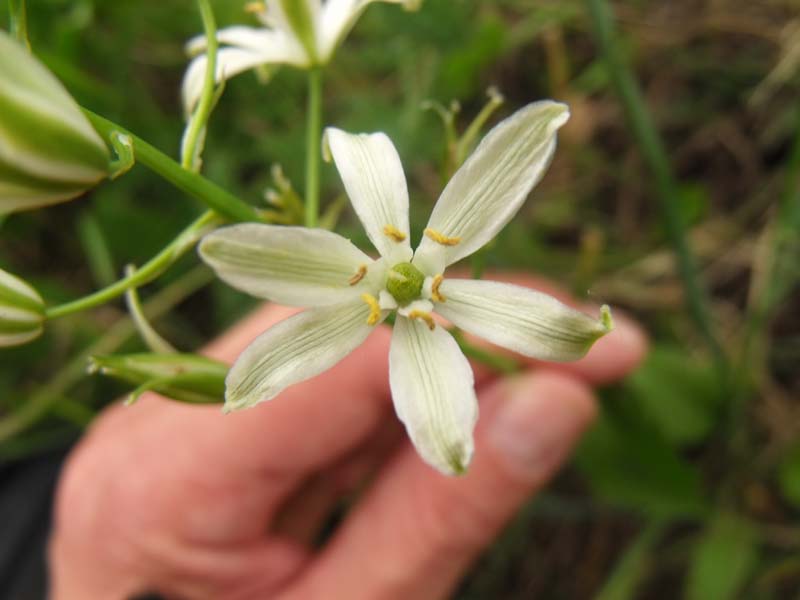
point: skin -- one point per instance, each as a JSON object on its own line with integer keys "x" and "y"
{"x": 181, "y": 500}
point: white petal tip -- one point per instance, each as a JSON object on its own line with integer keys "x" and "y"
{"x": 327, "y": 155}
{"x": 238, "y": 401}
{"x": 554, "y": 112}
{"x": 453, "y": 460}
{"x": 606, "y": 319}
{"x": 194, "y": 47}
{"x": 231, "y": 406}
{"x": 560, "y": 116}
{"x": 458, "y": 465}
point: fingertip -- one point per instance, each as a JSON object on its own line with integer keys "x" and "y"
{"x": 614, "y": 355}
{"x": 538, "y": 422}
{"x": 575, "y": 397}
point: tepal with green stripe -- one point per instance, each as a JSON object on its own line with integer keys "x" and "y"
{"x": 48, "y": 150}
{"x": 21, "y": 311}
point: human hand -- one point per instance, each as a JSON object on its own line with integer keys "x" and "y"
{"x": 181, "y": 500}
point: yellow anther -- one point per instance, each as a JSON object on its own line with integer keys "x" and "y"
{"x": 255, "y": 8}
{"x": 423, "y": 316}
{"x": 440, "y": 238}
{"x": 436, "y": 295}
{"x": 374, "y": 308}
{"x": 362, "y": 271}
{"x": 394, "y": 233}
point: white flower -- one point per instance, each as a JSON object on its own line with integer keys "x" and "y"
{"x": 348, "y": 293}
{"x": 303, "y": 33}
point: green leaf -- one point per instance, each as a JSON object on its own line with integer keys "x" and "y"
{"x": 629, "y": 464}
{"x": 723, "y": 559}
{"x": 677, "y": 394}
{"x": 694, "y": 202}
{"x": 633, "y": 566}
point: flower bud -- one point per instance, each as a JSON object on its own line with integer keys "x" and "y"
{"x": 184, "y": 377}
{"x": 21, "y": 311}
{"x": 48, "y": 150}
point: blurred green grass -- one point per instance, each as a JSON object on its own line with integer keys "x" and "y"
{"x": 686, "y": 475}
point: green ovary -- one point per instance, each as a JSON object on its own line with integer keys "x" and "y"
{"x": 404, "y": 283}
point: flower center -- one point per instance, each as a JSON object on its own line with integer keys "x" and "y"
{"x": 404, "y": 282}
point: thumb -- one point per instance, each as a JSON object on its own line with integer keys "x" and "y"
{"x": 420, "y": 530}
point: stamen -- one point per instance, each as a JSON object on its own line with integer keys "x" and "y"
{"x": 255, "y": 8}
{"x": 437, "y": 296}
{"x": 362, "y": 271}
{"x": 394, "y": 233}
{"x": 423, "y": 316}
{"x": 374, "y": 308}
{"x": 440, "y": 238}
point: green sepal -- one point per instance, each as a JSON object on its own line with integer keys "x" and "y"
{"x": 183, "y": 377}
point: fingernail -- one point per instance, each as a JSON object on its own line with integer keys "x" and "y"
{"x": 539, "y": 422}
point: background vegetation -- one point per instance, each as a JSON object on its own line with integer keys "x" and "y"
{"x": 684, "y": 142}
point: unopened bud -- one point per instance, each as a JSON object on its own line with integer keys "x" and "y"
{"x": 48, "y": 150}
{"x": 184, "y": 377}
{"x": 21, "y": 311}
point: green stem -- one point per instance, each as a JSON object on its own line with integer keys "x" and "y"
{"x": 313, "y": 151}
{"x": 147, "y": 332}
{"x": 199, "y": 119}
{"x": 149, "y": 271}
{"x": 197, "y": 186}
{"x": 655, "y": 155}
{"x": 19, "y": 21}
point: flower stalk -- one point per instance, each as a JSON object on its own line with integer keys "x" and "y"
{"x": 153, "y": 268}
{"x": 199, "y": 119}
{"x": 197, "y": 186}
{"x": 19, "y": 22}
{"x": 313, "y": 153}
